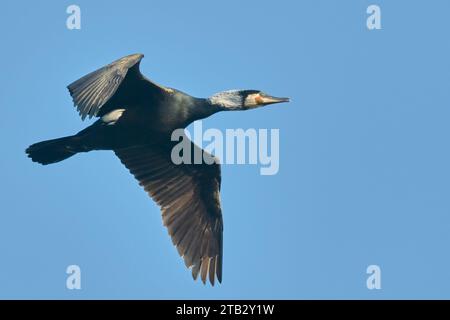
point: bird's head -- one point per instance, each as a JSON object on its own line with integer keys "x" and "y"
{"x": 243, "y": 99}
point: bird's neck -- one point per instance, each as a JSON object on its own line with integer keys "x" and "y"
{"x": 202, "y": 108}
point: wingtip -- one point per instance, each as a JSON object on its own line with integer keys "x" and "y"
{"x": 137, "y": 56}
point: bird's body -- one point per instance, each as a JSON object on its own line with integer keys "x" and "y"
{"x": 136, "y": 120}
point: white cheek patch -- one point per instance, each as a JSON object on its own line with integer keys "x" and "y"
{"x": 252, "y": 100}
{"x": 112, "y": 117}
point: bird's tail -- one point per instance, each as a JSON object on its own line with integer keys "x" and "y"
{"x": 52, "y": 151}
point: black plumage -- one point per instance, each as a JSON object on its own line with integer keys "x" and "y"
{"x": 137, "y": 117}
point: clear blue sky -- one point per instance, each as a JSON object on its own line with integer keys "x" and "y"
{"x": 364, "y": 166}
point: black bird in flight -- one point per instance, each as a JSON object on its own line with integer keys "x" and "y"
{"x": 136, "y": 119}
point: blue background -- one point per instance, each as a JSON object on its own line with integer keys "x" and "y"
{"x": 364, "y": 160}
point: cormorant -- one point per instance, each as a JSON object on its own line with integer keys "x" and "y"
{"x": 137, "y": 117}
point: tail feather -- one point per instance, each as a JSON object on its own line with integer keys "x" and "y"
{"x": 52, "y": 151}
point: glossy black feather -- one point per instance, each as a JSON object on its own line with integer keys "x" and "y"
{"x": 188, "y": 195}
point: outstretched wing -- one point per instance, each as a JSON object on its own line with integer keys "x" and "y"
{"x": 189, "y": 197}
{"x": 119, "y": 84}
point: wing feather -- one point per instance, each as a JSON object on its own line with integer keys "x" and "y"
{"x": 189, "y": 199}
{"x": 118, "y": 84}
